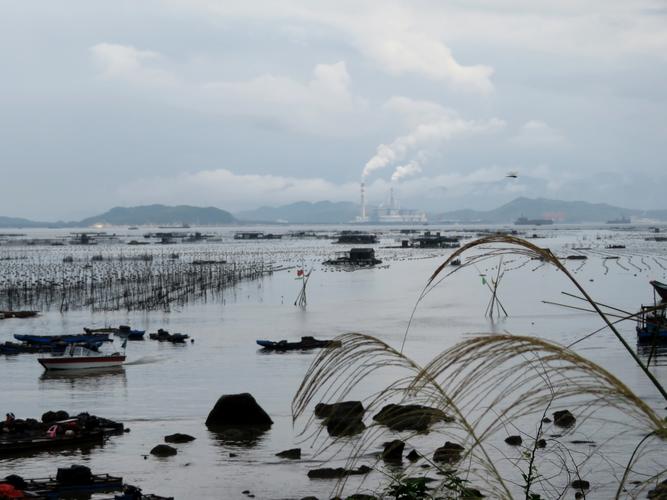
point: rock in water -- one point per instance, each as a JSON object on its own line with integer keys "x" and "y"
{"x": 413, "y": 456}
{"x": 238, "y": 410}
{"x": 293, "y": 454}
{"x": 164, "y": 450}
{"x": 342, "y": 419}
{"x": 410, "y": 417}
{"x": 514, "y": 440}
{"x": 581, "y": 484}
{"x": 393, "y": 451}
{"x": 178, "y": 438}
{"x": 564, "y": 418}
{"x": 449, "y": 453}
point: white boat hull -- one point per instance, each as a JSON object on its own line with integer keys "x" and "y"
{"x": 86, "y": 363}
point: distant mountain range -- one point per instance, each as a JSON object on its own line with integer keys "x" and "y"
{"x": 303, "y": 212}
{"x": 557, "y": 210}
{"x": 326, "y": 212}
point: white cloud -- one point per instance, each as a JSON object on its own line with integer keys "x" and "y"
{"x": 322, "y": 105}
{"x": 115, "y": 61}
{"x": 537, "y": 134}
{"x": 393, "y": 36}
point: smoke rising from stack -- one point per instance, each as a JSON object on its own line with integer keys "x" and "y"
{"x": 407, "y": 170}
{"x": 424, "y": 136}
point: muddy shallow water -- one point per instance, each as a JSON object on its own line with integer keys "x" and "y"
{"x": 168, "y": 388}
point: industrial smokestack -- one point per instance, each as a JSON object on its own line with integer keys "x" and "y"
{"x": 363, "y": 200}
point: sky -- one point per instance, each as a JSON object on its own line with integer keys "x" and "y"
{"x": 245, "y": 104}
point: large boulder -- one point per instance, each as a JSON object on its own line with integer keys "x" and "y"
{"x": 410, "y": 417}
{"x": 328, "y": 473}
{"x": 238, "y": 410}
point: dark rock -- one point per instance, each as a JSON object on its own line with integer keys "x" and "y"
{"x": 659, "y": 493}
{"x": 342, "y": 419}
{"x": 546, "y": 420}
{"x": 344, "y": 427}
{"x": 309, "y": 498}
{"x": 238, "y": 410}
{"x": 245, "y": 492}
{"x": 361, "y": 496}
{"x": 410, "y": 417}
{"x": 413, "y": 456}
{"x": 450, "y": 452}
{"x": 578, "y": 495}
{"x": 178, "y": 438}
{"x": 164, "y": 450}
{"x": 471, "y": 494}
{"x": 344, "y": 409}
{"x": 293, "y": 454}
{"x": 393, "y": 451}
{"x": 514, "y": 440}
{"x": 541, "y": 443}
{"x": 328, "y": 473}
{"x": 564, "y": 418}
{"x": 580, "y": 484}
{"x": 232, "y": 455}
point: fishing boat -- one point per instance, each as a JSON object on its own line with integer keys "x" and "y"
{"x": 305, "y": 344}
{"x": 79, "y": 357}
{"x": 652, "y": 324}
{"x": 660, "y": 288}
{"x": 165, "y": 336}
{"x": 69, "y": 339}
{"x": 129, "y": 333}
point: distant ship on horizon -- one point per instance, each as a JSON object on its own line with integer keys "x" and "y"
{"x": 622, "y": 220}
{"x": 524, "y": 221}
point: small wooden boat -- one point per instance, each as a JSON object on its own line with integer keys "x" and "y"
{"x": 76, "y": 481}
{"x": 19, "y": 314}
{"x": 15, "y": 348}
{"x": 165, "y": 336}
{"x": 129, "y": 333}
{"x": 660, "y": 288}
{"x": 305, "y": 344}
{"x": 69, "y": 339}
{"x": 78, "y": 357}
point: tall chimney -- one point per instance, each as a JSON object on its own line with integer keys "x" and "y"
{"x": 363, "y": 200}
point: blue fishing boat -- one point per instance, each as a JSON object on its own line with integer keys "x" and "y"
{"x": 652, "y": 325}
{"x": 81, "y": 338}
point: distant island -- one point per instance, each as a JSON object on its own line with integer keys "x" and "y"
{"x": 327, "y": 212}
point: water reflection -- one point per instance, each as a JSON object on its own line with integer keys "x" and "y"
{"x": 238, "y": 437}
{"x": 88, "y": 379}
{"x": 656, "y": 353}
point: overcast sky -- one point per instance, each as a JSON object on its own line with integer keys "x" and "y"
{"x": 243, "y": 104}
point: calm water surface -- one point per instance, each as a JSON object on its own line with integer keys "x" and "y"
{"x": 168, "y": 388}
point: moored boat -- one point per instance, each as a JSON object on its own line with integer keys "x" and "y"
{"x": 660, "y": 288}
{"x": 305, "y": 344}
{"x": 78, "y": 357}
{"x": 652, "y": 325}
{"x": 69, "y": 339}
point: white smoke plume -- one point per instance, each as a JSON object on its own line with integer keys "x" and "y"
{"x": 407, "y": 170}
{"x": 426, "y": 134}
